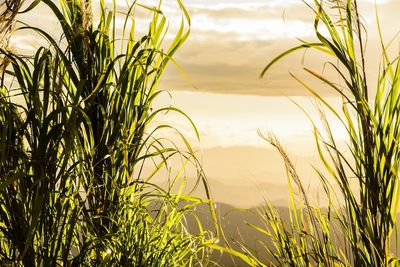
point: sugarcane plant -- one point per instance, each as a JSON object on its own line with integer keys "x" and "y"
{"x": 77, "y": 127}
{"x": 358, "y": 230}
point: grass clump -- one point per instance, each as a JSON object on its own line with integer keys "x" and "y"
{"x": 74, "y": 137}
{"x": 358, "y": 230}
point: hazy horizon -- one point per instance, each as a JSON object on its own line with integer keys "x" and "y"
{"x": 229, "y": 45}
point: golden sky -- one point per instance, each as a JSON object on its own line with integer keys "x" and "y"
{"x": 230, "y": 43}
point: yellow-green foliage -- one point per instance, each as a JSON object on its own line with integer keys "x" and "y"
{"x": 363, "y": 225}
{"x": 72, "y": 147}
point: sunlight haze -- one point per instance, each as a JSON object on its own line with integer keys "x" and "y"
{"x": 229, "y": 45}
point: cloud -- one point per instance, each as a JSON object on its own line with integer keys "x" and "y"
{"x": 235, "y": 66}
{"x": 232, "y": 41}
{"x": 243, "y": 29}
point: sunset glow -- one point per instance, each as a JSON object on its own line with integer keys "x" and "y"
{"x": 229, "y": 44}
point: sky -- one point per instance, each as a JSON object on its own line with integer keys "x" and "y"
{"x": 229, "y": 44}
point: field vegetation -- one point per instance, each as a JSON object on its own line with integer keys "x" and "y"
{"x": 77, "y": 127}
{"x": 74, "y": 133}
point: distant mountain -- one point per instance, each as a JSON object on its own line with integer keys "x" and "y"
{"x": 244, "y": 176}
{"x": 247, "y": 176}
{"x": 236, "y": 225}
{"x": 248, "y": 195}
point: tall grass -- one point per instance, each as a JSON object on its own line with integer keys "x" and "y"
{"x": 72, "y": 189}
{"x": 357, "y": 231}
{"x": 8, "y": 11}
